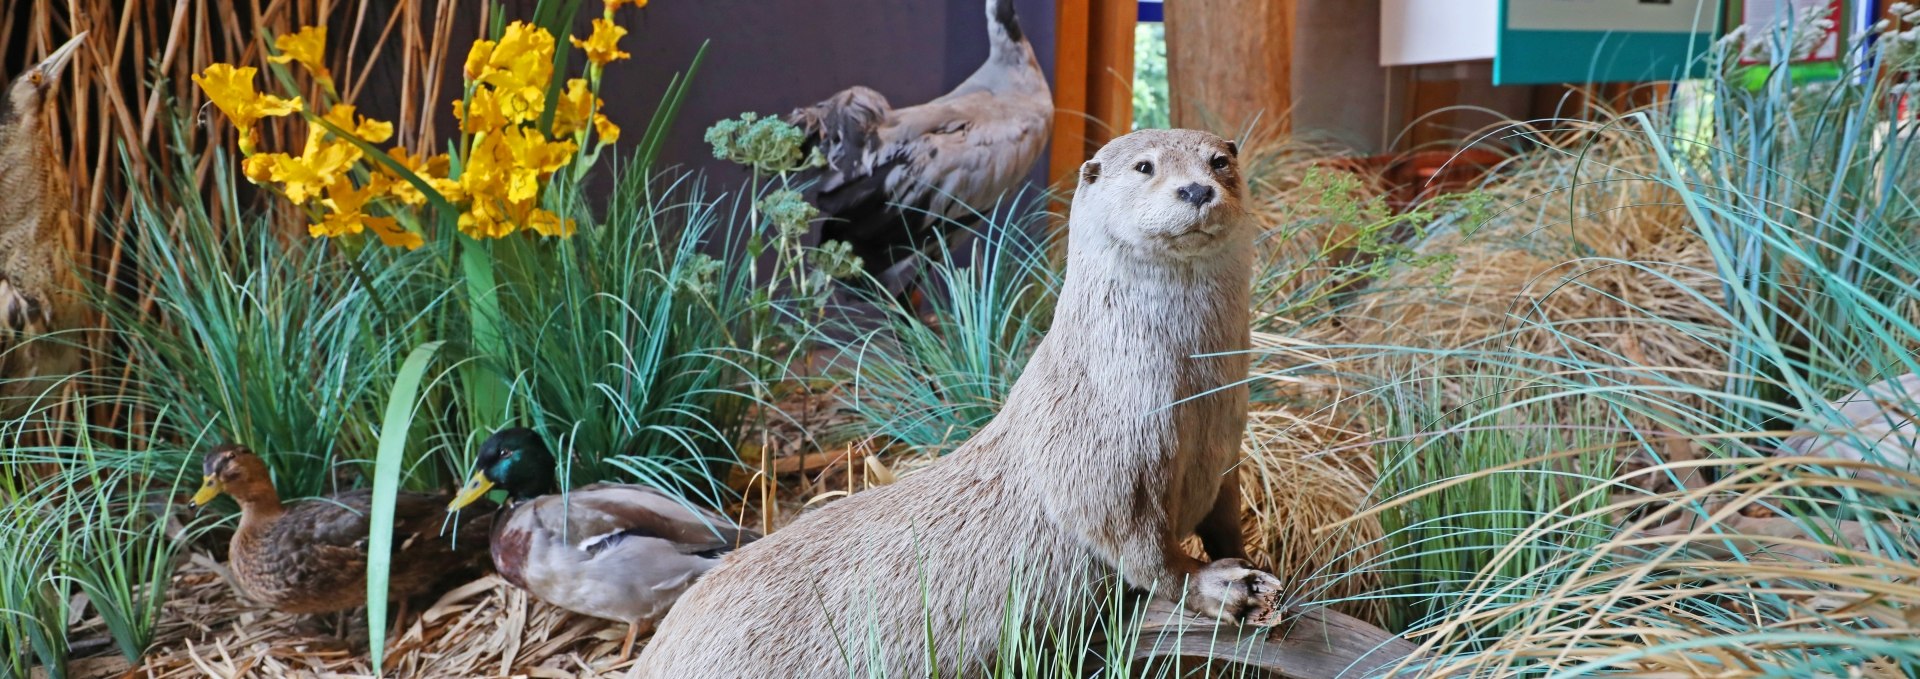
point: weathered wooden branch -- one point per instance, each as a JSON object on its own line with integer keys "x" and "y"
{"x": 1317, "y": 643}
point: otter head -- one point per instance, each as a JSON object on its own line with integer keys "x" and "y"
{"x": 1163, "y": 193}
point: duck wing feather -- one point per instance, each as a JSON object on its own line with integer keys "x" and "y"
{"x": 598, "y": 516}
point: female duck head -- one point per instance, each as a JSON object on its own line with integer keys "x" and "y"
{"x": 516, "y": 460}
{"x": 235, "y": 470}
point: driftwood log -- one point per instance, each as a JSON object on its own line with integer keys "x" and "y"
{"x": 1316, "y": 643}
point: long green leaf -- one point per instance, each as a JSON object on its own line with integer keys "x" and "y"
{"x": 485, "y": 394}
{"x": 386, "y": 487}
{"x": 663, "y": 117}
{"x": 556, "y": 16}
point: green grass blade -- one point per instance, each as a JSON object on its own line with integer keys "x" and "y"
{"x": 556, "y": 16}
{"x": 663, "y": 117}
{"x": 386, "y": 487}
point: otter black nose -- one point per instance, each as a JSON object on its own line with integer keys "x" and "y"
{"x": 1196, "y": 194}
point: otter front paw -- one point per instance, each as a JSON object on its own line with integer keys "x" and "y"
{"x": 1229, "y": 590}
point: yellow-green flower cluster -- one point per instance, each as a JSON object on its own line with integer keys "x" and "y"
{"x": 505, "y": 164}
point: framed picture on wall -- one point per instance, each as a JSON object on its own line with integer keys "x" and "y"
{"x": 1815, "y": 34}
{"x": 1762, "y": 17}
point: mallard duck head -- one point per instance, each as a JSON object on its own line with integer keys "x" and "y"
{"x": 516, "y": 460}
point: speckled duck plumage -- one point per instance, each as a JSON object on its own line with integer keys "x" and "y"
{"x": 311, "y": 556}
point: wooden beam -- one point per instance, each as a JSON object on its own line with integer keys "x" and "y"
{"x": 1230, "y": 63}
{"x": 1072, "y": 50}
{"x": 1093, "y": 81}
{"x": 1110, "y": 73}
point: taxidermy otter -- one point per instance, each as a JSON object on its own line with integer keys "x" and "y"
{"x": 1117, "y": 442}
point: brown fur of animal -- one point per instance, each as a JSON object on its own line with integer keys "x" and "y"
{"x": 1116, "y": 443}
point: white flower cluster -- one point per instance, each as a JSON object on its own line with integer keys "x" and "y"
{"x": 1902, "y": 48}
{"x": 1801, "y": 34}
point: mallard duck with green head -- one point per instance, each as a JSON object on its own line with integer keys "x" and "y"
{"x": 311, "y": 557}
{"x": 614, "y": 551}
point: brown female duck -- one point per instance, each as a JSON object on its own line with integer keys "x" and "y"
{"x": 311, "y": 557}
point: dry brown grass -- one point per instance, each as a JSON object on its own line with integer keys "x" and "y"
{"x": 484, "y": 628}
{"x": 1613, "y": 262}
{"x": 1309, "y": 466}
{"x": 1307, "y": 462}
{"x": 1705, "y": 581}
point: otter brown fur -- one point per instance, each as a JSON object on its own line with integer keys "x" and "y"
{"x": 1116, "y": 443}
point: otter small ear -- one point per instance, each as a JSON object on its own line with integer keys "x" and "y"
{"x": 1233, "y": 148}
{"x": 1089, "y": 171}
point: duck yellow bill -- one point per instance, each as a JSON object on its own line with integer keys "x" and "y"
{"x": 475, "y": 489}
{"x": 209, "y": 489}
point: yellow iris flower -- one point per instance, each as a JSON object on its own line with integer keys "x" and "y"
{"x": 480, "y": 113}
{"x": 482, "y": 181}
{"x": 367, "y": 129}
{"x": 322, "y": 163}
{"x": 432, "y": 169}
{"x": 502, "y": 178}
{"x": 495, "y": 218}
{"x": 518, "y": 68}
{"x": 230, "y": 88}
{"x": 532, "y": 158}
{"x": 258, "y": 167}
{"x": 609, "y": 132}
{"x": 603, "y": 46}
{"x": 512, "y": 164}
{"x": 505, "y": 168}
{"x": 485, "y": 219}
{"x": 579, "y": 108}
{"x": 545, "y": 223}
{"x": 307, "y": 46}
{"x": 346, "y": 205}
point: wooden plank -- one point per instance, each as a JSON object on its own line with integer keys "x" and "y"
{"x": 1093, "y": 81}
{"x": 1072, "y": 58}
{"x": 1110, "y": 72}
{"x": 1317, "y": 643}
{"x": 1230, "y": 64}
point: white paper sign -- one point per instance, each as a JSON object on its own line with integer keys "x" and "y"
{"x": 1437, "y": 31}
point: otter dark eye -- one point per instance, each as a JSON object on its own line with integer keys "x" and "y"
{"x": 1144, "y": 167}
{"x": 1219, "y": 163}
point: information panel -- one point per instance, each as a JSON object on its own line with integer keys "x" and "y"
{"x": 1583, "y": 41}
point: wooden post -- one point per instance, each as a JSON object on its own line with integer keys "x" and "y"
{"x": 1230, "y": 64}
{"x": 1093, "y": 81}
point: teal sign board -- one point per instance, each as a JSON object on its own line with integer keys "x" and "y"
{"x": 1591, "y": 41}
